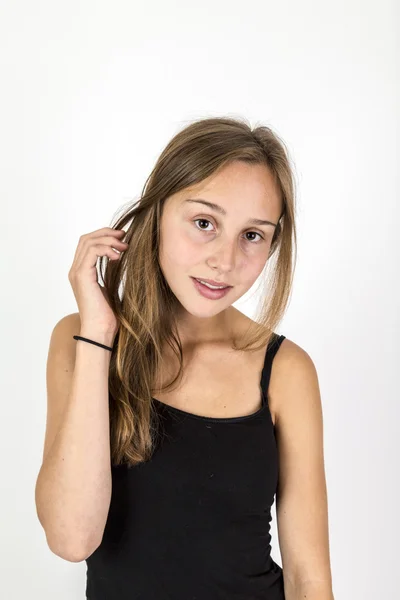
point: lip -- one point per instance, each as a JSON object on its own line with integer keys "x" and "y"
{"x": 207, "y": 292}
{"x": 212, "y": 282}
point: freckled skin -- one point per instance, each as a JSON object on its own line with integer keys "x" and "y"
{"x": 219, "y": 247}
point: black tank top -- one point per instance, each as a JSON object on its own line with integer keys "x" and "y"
{"x": 193, "y": 523}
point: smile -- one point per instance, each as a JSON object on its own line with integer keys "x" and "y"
{"x": 210, "y": 292}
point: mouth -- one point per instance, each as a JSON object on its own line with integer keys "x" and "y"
{"x": 209, "y": 292}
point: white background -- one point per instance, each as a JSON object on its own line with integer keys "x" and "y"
{"x": 90, "y": 94}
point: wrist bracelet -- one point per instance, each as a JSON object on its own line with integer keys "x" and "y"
{"x": 78, "y": 337}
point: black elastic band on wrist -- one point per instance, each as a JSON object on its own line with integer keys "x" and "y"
{"x": 78, "y": 337}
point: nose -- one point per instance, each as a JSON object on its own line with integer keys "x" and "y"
{"x": 224, "y": 256}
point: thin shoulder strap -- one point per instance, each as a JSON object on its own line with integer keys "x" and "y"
{"x": 272, "y": 349}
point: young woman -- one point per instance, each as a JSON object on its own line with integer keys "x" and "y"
{"x": 174, "y": 420}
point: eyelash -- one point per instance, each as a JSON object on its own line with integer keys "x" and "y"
{"x": 208, "y": 221}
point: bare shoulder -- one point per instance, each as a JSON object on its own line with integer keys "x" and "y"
{"x": 62, "y": 346}
{"x": 294, "y": 380}
{"x": 59, "y": 370}
{"x": 67, "y": 324}
{"x": 291, "y": 354}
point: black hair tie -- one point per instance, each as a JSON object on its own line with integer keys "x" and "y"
{"x": 78, "y": 337}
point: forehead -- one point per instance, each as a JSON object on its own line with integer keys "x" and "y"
{"x": 240, "y": 185}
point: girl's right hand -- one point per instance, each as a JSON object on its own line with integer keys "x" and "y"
{"x": 94, "y": 309}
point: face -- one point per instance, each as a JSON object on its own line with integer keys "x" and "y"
{"x": 199, "y": 241}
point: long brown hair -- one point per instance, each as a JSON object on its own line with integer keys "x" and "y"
{"x": 147, "y": 307}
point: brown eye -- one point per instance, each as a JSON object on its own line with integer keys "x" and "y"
{"x": 256, "y": 233}
{"x": 204, "y": 221}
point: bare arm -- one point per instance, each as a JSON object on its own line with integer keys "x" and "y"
{"x": 301, "y": 500}
{"x": 73, "y": 488}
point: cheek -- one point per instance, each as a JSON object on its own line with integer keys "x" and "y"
{"x": 179, "y": 248}
{"x": 251, "y": 267}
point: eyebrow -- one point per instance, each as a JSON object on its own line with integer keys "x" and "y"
{"x": 222, "y": 211}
